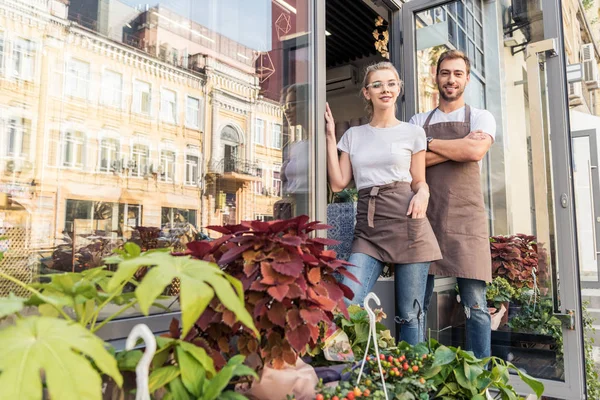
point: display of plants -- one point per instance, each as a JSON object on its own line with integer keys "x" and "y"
{"x": 289, "y": 289}
{"x": 429, "y": 371}
{"x": 499, "y": 291}
{"x": 517, "y": 258}
{"x": 58, "y": 350}
{"x": 356, "y": 328}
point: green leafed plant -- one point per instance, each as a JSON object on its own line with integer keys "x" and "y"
{"x": 200, "y": 282}
{"x": 60, "y": 351}
{"x": 499, "y": 291}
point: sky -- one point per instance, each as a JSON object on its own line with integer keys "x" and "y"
{"x": 247, "y": 22}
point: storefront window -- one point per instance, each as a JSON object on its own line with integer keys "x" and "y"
{"x": 151, "y": 117}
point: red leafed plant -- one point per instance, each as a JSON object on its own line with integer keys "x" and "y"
{"x": 289, "y": 286}
{"x": 515, "y": 257}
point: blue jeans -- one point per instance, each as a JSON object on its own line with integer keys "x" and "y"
{"x": 479, "y": 322}
{"x": 410, "y": 283}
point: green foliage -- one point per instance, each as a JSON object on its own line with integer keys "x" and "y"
{"x": 538, "y": 317}
{"x": 499, "y": 291}
{"x": 60, "y": 349}
{"x": 591, "y": 372}
{"x": 200, "y": 282}
{"x": 72, "y": 358}
{"x": 193, "y": 375}
{"x": 434, "y": 371}
{"x": 357, "y": 329}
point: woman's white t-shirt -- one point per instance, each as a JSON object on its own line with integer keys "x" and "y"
{"x": 382, "y": 155}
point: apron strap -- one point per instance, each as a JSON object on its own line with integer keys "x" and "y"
{"x": 428, "y": 120}
{"x": 468, "y": 115}
{"x": 371, "y": 210}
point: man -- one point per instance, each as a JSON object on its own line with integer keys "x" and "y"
{"x": 458, "y": 137}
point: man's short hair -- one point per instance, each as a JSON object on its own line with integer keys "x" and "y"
{"x": 454, "y": 55}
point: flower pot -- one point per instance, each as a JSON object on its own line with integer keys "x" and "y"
{"x": 504, "y": 319}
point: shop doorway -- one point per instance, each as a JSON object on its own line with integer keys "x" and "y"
{"x": 517, "y": 66}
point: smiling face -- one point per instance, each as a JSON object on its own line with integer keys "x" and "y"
{"x": 382, "y": 89}
{"x": 452, "y": 79}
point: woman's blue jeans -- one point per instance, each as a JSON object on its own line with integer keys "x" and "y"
{"x": 410, "y": 281}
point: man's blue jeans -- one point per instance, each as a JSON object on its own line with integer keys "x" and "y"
{"x": 410, "y": 284}
{"x": 479, "y": 322}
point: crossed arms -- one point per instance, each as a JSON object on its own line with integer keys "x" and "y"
{"x": 472, "y": 147}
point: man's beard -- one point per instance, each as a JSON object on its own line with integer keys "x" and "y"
{"x": 457, "y": 93}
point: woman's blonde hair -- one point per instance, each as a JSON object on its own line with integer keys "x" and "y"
{"x": 368, "y": 71}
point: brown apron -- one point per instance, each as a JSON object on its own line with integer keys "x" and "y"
{"x": 384, "y": 231}
{"x": 456, "y": 209}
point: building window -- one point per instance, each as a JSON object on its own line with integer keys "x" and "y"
{"x": 2, "y": 53}
{"x": 73, "y": 148}
{"x": 259, "y": 133}
{"x": 112, "y": 89}
{"x": 23, "y": 59}
{"x": 192, "y": 167}
{"x": 109, "y": 154}
{"x": 140, "y": 155}
{"x": 258, "y": 185}
{"x": 78, "y": 79}
{"x": 167, "y": 164}
{"x": 177, "y": 217}
{"x": 17, "y": 137}
{"x": 276, "y": 139}
{"x": 91, "y": 217}
{"x": 276, "y": 183}
{"x": 142, "y": 98}
{"x": 192, "y": 113}
{"x": 168, "y": 106}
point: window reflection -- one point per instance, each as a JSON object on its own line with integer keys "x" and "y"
{"x": 148, "y": 123}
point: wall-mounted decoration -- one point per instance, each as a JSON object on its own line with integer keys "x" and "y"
{"x": 381, "y": 36}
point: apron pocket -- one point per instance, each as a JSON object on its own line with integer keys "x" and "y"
{"x": 465, "y": 217}
{"x": 416, "y": 227}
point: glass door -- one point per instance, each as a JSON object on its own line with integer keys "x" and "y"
{"x": 587, "y": 195}
{"x": 517, "y": 74}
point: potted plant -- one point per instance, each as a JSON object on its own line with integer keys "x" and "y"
{"x": 499, "y": 293}
{"x": 66, "y": 359}
{"x": 289, "y": 288}
{"x": 519, "y": 259}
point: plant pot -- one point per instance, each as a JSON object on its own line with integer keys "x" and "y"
{"x": 298, "y": 380}
{"x": 504, "y": 319}
{"x": 342, "y": 218}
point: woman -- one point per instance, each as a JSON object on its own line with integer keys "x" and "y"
{"x": 386, "y": 157}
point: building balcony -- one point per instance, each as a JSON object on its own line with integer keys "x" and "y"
{"x": 233, "y": 168}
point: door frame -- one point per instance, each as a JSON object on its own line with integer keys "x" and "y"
{"x": 566, "y": 252}
{"x": 595, "y": 188}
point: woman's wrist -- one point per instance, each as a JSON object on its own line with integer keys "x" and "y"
{"x": 424, "y": 191}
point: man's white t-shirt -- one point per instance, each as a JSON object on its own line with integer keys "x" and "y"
{"x": 382, "y": 155}
{"x": 480, "y": 119}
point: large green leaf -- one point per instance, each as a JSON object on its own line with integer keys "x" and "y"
{"x": 192, "y": 373}
{"x": 10, "y": 305}
{"x": 59, "y": 349}
{"x": 534, "y": 384}
{"x": 200, "y": 355}
{"x": 162, "y": 377}
{"x": 233, "y": 368}
{"x": 443, "y": 356}
{"x": 200, "y": 281}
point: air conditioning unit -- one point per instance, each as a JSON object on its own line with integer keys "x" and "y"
{"x": 575, "y": 94}
{"x": 342, "y": 78}
{"x": 590, "y": 66}
{"x": 116, "y": 166}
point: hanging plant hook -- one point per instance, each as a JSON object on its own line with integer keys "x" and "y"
{"x": 372, "y": 333}
{"x": 141, "y": 331}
